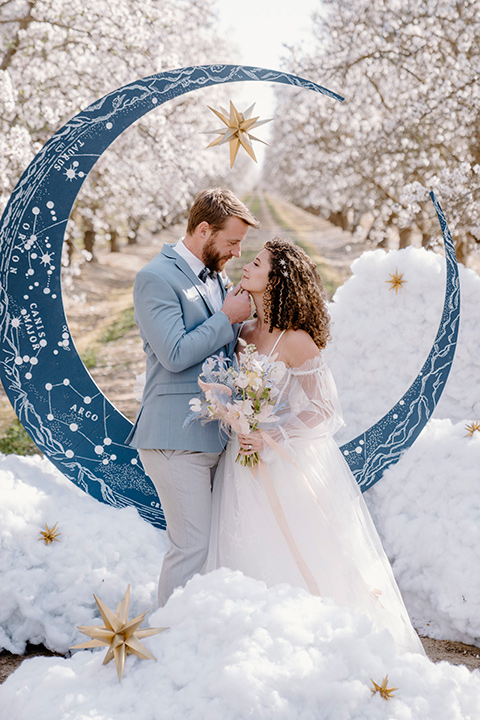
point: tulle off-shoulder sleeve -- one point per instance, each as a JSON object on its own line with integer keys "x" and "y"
{"x": 308, "y": 407}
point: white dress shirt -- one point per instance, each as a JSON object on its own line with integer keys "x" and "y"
{"x": 212, "y": 285}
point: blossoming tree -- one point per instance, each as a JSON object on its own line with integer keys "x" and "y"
{"x": 56, "y": 58}
{"x": 409, "y": 72}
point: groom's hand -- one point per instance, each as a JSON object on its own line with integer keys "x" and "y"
{"x": 237, "y": 305}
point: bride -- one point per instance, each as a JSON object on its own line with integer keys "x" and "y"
{"x": 298, "y": 516}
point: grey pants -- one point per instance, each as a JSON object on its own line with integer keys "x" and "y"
{"x": 183, "y": 481}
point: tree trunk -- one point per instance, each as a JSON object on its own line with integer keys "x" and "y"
{"x": 132, "y": 233}
{"x": 338, "y": 219}
{"x": 404, "y": 238}
{"x": 114, "y": 246}
{"x": 461, "y": 248}
{"x": 89, "y": 242}
{"x": 426, "y": 240}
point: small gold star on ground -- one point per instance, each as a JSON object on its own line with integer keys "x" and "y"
{"x": 118, "y": 634}
{"x": 237, "y": 132}
{"x": 396, "y": 281}
{"x": 385, "y": 692}
{"x": 49, "y": 534}
{"x": 472, "y": 427}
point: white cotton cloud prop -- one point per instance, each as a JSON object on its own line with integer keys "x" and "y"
{"x": 427, "y": 507}
{"x": 236, "y": 649}
{"x": 381, "y": 338}
{"x": 47, "y": 590}
{"x": 427, "y": 511}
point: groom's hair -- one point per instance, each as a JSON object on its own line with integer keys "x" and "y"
{"x": 215, "y": 206}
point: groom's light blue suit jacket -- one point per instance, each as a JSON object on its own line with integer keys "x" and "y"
{"x": 179, "y": 329}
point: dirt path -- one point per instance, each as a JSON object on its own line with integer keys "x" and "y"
{"x": 101, "y": 300}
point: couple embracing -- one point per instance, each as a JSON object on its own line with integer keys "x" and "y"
{"x": 299, "y": 516}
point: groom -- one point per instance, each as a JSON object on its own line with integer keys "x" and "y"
{"x": 184, "y": 316}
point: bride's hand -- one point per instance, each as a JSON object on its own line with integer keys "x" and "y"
{"x": 250, "y": 443}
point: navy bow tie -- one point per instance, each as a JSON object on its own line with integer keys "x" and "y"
{"x": 206, "y": 273}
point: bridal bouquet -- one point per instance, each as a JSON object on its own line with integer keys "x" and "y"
{"x": 239, "y": 397}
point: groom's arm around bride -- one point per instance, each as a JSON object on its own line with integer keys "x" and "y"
{"x": 184, "y": 315}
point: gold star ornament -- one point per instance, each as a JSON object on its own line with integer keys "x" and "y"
{"x": 472, "y": 428}
{"x": 49, "y": 535}
{"x": 237, "y": 130}
{"x": 385, "y": 692}
{"x": 120, "y": 635}
{"x": 396, "y": 281}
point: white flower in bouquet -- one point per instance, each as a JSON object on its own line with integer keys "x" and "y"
{"x": 239, "y": 397}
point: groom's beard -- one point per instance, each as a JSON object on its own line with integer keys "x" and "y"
{"x": 211, "y": 256}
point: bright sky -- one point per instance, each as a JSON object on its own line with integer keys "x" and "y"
{"x": 261, "y": 29}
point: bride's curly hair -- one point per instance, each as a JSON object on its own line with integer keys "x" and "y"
{"x": 295, "y": 297}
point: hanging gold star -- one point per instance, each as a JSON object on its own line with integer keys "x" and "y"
{"x": 49, "y": 534}
{"x": 118, "y": 634}
{"x": 237, "y": 132}
{"x": 396, "y": 282}
{"x": 474, "y": 426}
{"x": 385, "y": 692}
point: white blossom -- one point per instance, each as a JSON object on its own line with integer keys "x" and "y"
{"x": 409, "y": 124}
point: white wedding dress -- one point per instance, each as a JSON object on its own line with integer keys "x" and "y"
{"x": 299, "y": 517}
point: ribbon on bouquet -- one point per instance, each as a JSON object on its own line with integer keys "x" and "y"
{"x": 277, "y": 509}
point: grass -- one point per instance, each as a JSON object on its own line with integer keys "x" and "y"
{"x": 16, "y": 441}
{"x": 277, "y": 217}
{"x": 253, "y": 204}
{"x": 119, "y": 327}
{"x": 330, "y": 278}
{"x": 90, "y": 357}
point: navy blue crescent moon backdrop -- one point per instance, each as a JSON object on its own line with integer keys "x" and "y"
{"x": 55, "y": 398}
{"x": 370, "y": 453}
